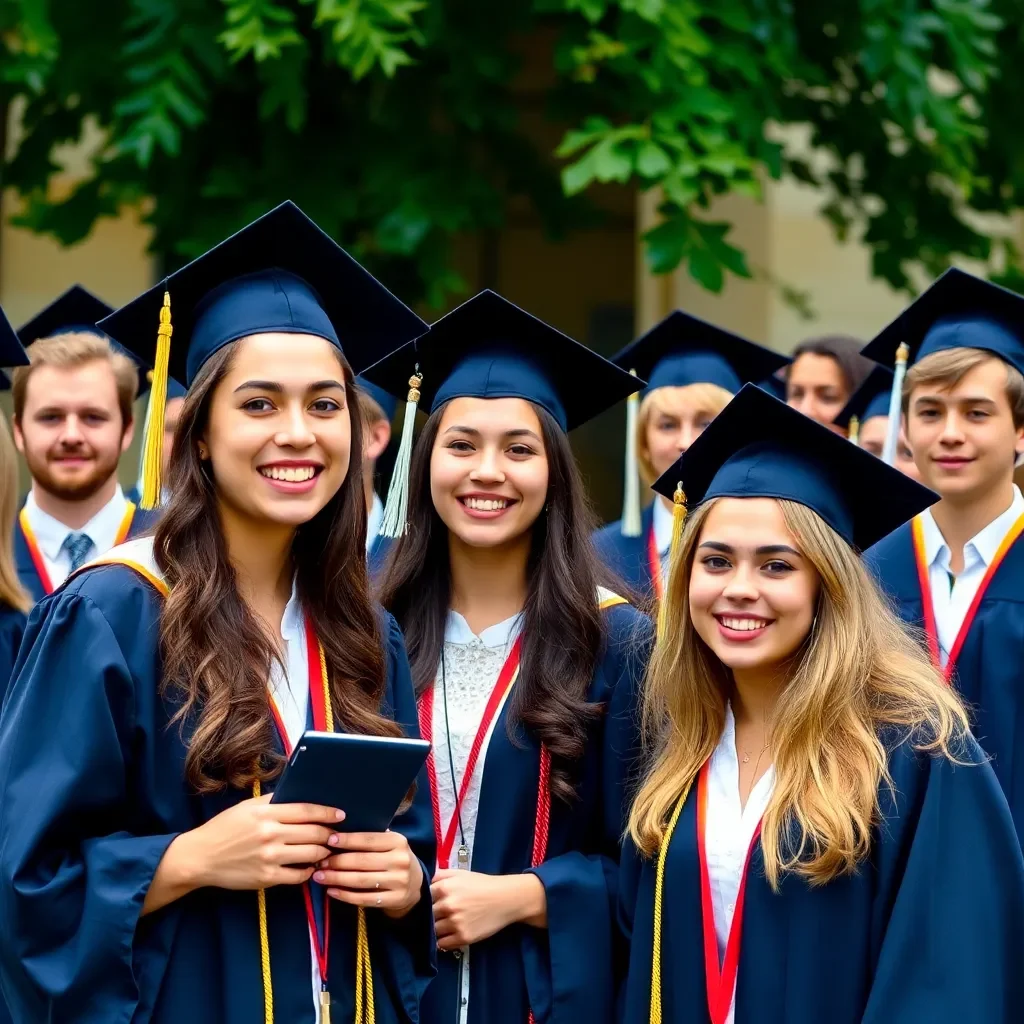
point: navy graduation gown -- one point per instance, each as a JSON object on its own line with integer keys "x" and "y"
{"x": 12, "y": 626}
{"x": 377, "y": 556}
{"x": 931, "y": 928}
{"x": 989, "y": 672}
{"x": 92, "y": 789}
{"x": 142, "y": 521}
{"x": 562, "y": 973}
{"x": 627, "y": 557}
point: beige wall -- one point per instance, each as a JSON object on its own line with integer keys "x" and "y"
{"x": 787, "y": 244}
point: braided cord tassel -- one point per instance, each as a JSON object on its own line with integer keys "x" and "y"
{"x": 659, "y": 886}
{"x": 268, "y": 984}
{"x": 394, "y": 522}
{"x": 631, "y": 520}
{"x": 678, "y": 521}
{"x": 153, "y": 441}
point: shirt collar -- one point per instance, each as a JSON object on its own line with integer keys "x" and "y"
{"x": 985, "y": 542}
{"x": 457, "y": 631}
{"x": 374, "y": 520}
{"x": 102, "y": 529}
{"x": 662, "y": 527}
{"x": 292, "y": 622}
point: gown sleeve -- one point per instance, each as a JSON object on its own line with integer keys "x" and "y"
{"x": 12, "y": 626}
{"x": 952, "y": 948}
{"x": 72, "y": 882}
{"x": 572, "y": 976}
{"x": 409, "y": 944}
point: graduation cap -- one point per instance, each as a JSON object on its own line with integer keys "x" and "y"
{"x": 958, "y": 311}
{"x": 871, "y": 399}
{"x": 680, "y": 350}
{"x": 75, "y": 310}
{"x": 490, "y": 348}
{"x": 387, "y": 402}
{"x": 12, "y": 352}
{"x": 280, "y": 274}
{"x": 791, "y": 457}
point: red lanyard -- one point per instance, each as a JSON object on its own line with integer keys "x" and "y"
{"x": 654, "y": 563}
{"x": 924, "y": 581}
{"x": 506, "y": 677}
{"x": 37, "y": 556}
{"x": 721, "y": 981}
{"x": 319, "y": 694}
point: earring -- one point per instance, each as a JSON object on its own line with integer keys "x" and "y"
{"x": 203, "y": 453}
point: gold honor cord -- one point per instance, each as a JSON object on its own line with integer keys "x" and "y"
{"x": 659, "y": 888}
{"x": 364, "y": 972}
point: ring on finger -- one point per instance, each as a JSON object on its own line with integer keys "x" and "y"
{"x": 380, "y": 900}
{"x": 377, "y": 885}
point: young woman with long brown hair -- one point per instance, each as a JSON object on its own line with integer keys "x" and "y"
{"x": 818, "y": 836}
{"x": 527, "y": 671}
{"x": 145, "y": 874}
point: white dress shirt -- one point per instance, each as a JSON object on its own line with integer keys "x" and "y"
{"x": 952, "y": 595}
{"x": 729, "y": 829}
{"x": 290, "y": 689}
{"x": 51, "y": 533}
{"x": 468, "y": 672}
{"x": 373, "y": 521}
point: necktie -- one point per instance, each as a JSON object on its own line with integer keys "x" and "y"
{"x": 78, "y": 546}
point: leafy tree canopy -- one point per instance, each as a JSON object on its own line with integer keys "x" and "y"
{"x": 398, "y": 124}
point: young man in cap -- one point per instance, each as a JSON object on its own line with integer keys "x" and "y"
{"x": 957, "y": 570}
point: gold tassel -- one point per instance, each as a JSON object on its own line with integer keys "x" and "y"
{"x": 678, "y": 521}
{"x": 153, "y": 440}
{"x": 853, "y": 430}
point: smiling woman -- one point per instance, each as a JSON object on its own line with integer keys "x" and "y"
{"x": 183, "y": 669}
{"x": 526, "y": 669}
{"x": 815, "y": 802}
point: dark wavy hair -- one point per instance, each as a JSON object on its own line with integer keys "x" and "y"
{"x": 563, "y": 631}
{"x": 844, "y": 351}
{"x": 216, "y": 655}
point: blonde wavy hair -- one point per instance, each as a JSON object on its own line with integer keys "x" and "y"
{"x": 709, "y": 399}
{"x": 858, "y": 684}
{"x": 11, "y": 591}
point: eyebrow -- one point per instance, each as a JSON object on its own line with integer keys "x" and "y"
{"x": 270, "y": 385}
{"x": 765, "y": 549}
{"x": 473, "y": 432}
{"x": 959, "y": 400}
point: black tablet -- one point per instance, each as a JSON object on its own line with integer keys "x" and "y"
{"x": 365, "y": 776}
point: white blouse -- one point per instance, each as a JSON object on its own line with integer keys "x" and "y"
{"x": 728, "y": 831}
{"x": 290, "y": 690}
{"x": 466, "y": 674}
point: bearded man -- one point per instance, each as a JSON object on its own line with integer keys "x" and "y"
{"x": 72, "y": 420}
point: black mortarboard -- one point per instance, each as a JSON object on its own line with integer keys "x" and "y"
{"x": 958, "y": 311}
{"x": 684, "y": 349}
{"x": 758, "y": 447}
{"x": 12, "y": 352}
{"x": 78, "y": 309}
{"x": 490, "y": 348}
{"x": 869, "y": 400}
{"x": 281, "y": 273}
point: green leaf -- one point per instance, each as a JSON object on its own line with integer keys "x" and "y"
{"x": 651, "y": 160}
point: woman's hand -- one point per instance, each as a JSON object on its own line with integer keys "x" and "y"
{"x": 470, "y": 906}
{"x": 253, "y": 845}
{"x": 372, "y": 869}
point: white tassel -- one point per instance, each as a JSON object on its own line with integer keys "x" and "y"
{"x": 397, "y": 507}
{"x": 631, "y": 522}
{"x": 892, "y": 434}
